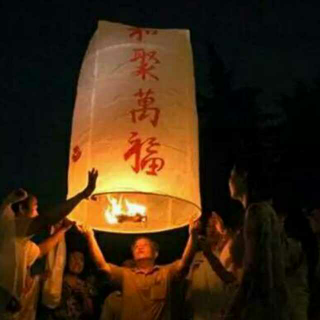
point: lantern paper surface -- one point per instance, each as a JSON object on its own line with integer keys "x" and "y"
{"x": 135, "y": 121}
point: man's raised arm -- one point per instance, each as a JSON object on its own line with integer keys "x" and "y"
{"x": 190, "y": 249}
{"x": 95, "y": 250}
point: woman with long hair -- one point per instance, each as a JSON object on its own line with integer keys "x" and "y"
{"x": 262, "y": 293}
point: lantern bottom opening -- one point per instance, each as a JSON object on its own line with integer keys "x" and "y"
{"x": 133, "y": 212}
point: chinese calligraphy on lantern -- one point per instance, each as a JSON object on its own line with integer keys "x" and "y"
{"x": 145, "y": 100}
{"x": 147, "y": 61}
{"x": 144, "y": 152}
{"x": 138, "y": 33}
{"x": 76, "y": 153}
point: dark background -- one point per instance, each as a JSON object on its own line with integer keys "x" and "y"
{"x": 257, "y": 82}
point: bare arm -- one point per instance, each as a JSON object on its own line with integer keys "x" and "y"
{"x": 53, "y": 216}
{"x": 95, "y": 250}
{"x": 216, "y": 264}
{"x": 190, "y": 249}
{"x": 48, "y": 244}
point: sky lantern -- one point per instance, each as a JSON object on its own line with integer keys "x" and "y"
{"x": 135, "y": 120}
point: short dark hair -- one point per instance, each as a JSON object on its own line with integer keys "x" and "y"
{"x": 154, "y": 244}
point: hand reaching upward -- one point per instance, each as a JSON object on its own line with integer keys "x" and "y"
{"x": 194, "y": 227}
{"x": 85, "y": 230}
{"x": 92, "y": 180}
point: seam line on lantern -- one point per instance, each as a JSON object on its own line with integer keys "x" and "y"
{"x": 149, "y": 193}
{"x": 92, "y": 103}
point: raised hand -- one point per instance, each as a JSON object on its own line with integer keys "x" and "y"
{"x": 194, "y": 227}
{"x": 218, "y": 223}
{"x": 85, "y": 230}
{"x": 67, "y": 224}
{"x": 92, "y": 180}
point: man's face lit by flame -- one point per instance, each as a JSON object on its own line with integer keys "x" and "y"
{"x": 144, "y": 250}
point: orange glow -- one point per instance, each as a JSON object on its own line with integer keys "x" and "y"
{"x": 117, "y": 212}
{"x": 139, "y": 84}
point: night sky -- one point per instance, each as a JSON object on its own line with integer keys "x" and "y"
{"x": 265, "y": 44}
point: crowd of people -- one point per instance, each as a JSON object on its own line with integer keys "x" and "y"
{"x": 256, "y": 270}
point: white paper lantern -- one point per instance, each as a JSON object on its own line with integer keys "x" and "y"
{"x": 135, "y": 120}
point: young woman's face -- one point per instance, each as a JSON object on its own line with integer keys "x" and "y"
{"x": 76, "y": 262}
{"x": 215, "y": 231}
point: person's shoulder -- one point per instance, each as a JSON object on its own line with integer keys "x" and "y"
{"x": 116, "y": 267}
{"x": 168, "y": 265}
{"x": 294, "y": 247}
{"x": 127, "y": 270}
{"x": 261, "y": 205}
{"x": 260, "y": 214}
{"x": 260, "y": 210}
{"x": 165, "y": 268}
{"x": 22, "y": 225}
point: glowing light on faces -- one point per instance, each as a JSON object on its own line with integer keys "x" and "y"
{"x": 118, "y": 212}
{"x": 143, "y": 249}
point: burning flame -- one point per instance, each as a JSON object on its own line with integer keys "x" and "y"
{"x": 117, "y": 212}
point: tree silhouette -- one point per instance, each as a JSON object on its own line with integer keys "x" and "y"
{"x": 302, "y": 158}
{"x": 235, "y": 121}
{"x": 226, "y": 124}
{"x": 303, "y": 112}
